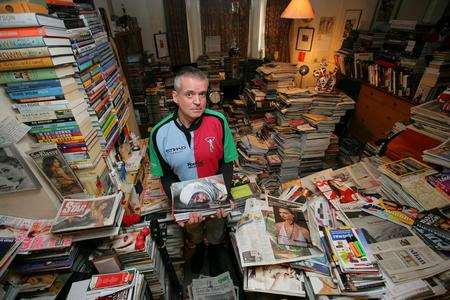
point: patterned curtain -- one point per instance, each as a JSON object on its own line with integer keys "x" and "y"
{"x": 177, "y": 33}
{"x": 277, "y": 30}
{"x": 218, "y": 19}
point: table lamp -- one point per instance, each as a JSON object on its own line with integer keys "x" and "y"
{"x": 298, "y": 9}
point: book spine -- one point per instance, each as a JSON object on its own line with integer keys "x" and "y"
{"x": 24, "y": 53}
{"x": 21, "y": 32}
{"x": 26, "y": 42}
{"x": 33, "y": 85}
{"x": 18, "y": 20}
{"x": 27, "y": 75}
{"x": 23, "y": 7}
{"x": 51, "y": 91}
{"x": 32, "y": 63}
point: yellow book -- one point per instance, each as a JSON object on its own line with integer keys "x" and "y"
{"x": 23, "y": 6}
{"x": 36, "y": 63}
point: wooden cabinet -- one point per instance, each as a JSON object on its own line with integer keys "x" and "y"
{"x": 376, "y": 112}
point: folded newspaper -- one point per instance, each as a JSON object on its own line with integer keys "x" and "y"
{"x": 209, "y": 288}
{"x": 268, "y": 235}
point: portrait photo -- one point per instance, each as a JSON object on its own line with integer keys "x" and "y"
{"x": 15, "y": 175}
{"x": 56, "y": 170}
{"x": 290, "y": 227}
{"x": 200, "y": 194}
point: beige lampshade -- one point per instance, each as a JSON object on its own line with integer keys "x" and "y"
{"x": 298, "y": 9}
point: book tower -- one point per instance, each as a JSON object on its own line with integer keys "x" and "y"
{"x": 62, "y": 78}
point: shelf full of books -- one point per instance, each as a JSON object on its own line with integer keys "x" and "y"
{"x": 62, "y": 78}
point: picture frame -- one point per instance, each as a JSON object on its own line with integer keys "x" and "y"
{"x": 351, "y": 21}
{"x": 161, "y": 45}
{"x": 305, "y": 36}
{"x": 15, "y": 174}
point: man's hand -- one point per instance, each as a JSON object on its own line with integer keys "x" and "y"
{"x": 194, "y": 220}
{"x": 220, "y": 213}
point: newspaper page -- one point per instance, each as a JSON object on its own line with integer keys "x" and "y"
{"x": 262, "y": 240}
{"x": 214, "y": 288}
{"x": 400, "y": 253}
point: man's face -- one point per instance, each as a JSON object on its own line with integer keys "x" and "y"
{"x": 191, "y": 97}
{"x": 200, "y": 197}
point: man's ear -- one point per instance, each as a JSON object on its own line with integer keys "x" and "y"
{"x": 175, "y": 96}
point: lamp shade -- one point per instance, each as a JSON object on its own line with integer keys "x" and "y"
{"x": 298, "y": 9}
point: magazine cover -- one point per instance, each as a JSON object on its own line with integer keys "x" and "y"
{"x": 404, "y": 167}
{"x": 200, "y": 194}
{"x": 55, "y": 169}
{"x": 40, "y": 238}
{"x": 15, "y": 175}
{"x": 77, "y": 214}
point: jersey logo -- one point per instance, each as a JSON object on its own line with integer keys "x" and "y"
{"x": 210, "y": 140}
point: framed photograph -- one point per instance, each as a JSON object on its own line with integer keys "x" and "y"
{"x": 15, "y": 175}
{"x": 161, "y": 46}
{"x": 305, "y": 36}
{"x": 51, "y": 163}
{"x": 351, "y": 21}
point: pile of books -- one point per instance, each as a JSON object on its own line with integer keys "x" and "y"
{"x": 203, "y": 196}
{"x": 252, "y": 152}
{"x": 127, "y": 284}
{"x": 37, "y": 70}
{"x": 277, "y": 75}
{"x": 91, "y": 218}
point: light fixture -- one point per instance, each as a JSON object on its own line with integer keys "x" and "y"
{"x": 298, "y": 9}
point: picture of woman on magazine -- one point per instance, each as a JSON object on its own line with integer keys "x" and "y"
{"x": 288, "y": 230}
{"x": 65, "y": 182}
{"x": 93, "y": 217}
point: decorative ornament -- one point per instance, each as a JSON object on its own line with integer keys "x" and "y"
{"x": 325, "y": 80}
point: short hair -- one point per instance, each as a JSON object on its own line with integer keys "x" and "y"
{"x": 190, "y": 72}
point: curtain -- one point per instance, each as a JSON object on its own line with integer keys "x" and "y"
{"x": 217, "y": 19}
{"x": 194, "y": 29}
{"x": 257, "y": 17}
{"x": 177, "y": 32}
{"x": 277, "y": 30}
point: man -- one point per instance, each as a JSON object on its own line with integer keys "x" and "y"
{"x": 193, "y": 142}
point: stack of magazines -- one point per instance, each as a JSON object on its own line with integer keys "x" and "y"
{"x": 135, "y": 249}
{"x": 433, "y": 227}
{"x": 84, "y": 219}
{"x": 9, "y": 247}
{"x": 203, "y": 196}
{"x": 406, "y": 181}
{"x": 127, "y": 284}
{"x": 355, "y": 270}
{"x": 439, "y": 155}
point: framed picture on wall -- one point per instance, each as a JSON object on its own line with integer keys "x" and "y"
{"x": 15, "y": 175}
{"x": 161, "y": 46}
{"x": 305, "y": 36}
{"x": 351, "y": 21}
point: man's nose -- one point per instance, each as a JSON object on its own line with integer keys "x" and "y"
{"x": 197, "y": 100}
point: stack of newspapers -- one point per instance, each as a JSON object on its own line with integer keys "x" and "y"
{"x": 202, "y": 196}
{"x": 219, "y": 287}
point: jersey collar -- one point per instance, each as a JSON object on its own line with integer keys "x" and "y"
{"x": 195, "y": 125}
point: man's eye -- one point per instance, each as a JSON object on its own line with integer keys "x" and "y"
{"x": 188, "y": 94}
